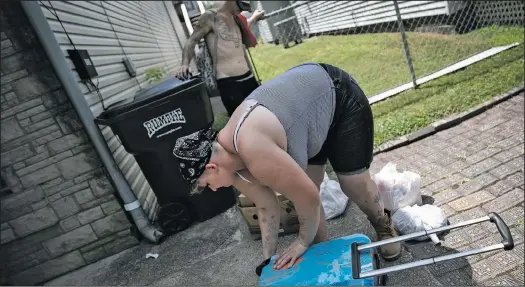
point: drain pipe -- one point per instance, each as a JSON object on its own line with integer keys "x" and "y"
{"x": 58, "y": 61}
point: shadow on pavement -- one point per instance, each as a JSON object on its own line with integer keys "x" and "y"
{"x": 454, "y": 272}
{"x": 219, "y": 252}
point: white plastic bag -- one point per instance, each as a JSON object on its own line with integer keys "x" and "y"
{"x": 333, "y": 199}
{"x": 398, "y": 189}
{"x": 410, "y": 219}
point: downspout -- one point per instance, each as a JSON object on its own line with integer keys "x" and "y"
{"x": 58, "y": 61}
{"x": 190, "y": 31}
{"x": 201, "y": 7}
{"x": 172, "y": 15}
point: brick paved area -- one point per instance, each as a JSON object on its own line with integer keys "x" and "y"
{"x": 470, "y": 170}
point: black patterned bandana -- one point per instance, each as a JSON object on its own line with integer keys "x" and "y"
{"x": 193, "y": 152}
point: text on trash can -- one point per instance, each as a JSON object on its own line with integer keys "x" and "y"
{"x": 156, "y": 124}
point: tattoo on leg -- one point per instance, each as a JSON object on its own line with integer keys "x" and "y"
{"x": 377, "y": 198}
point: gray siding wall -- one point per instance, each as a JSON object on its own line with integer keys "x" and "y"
{"x": 326, "y": 16}
{"x": 110, "y": 30}
{"x": 61, "y": 213}
{"x": 265, "y": 27}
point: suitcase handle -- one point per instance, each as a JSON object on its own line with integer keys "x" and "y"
{"x": 506, "y": 244}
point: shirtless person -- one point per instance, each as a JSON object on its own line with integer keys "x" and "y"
{"x": 235, "y": 81}
{"x": 280, "y": 138}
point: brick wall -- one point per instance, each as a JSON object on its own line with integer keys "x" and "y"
{"x": 59, "y": 211}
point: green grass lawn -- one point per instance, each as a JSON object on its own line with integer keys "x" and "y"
{"x": 378, "y": 64}
{"x": 377, "y": 61}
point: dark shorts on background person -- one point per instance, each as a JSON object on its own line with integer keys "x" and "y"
{"x": 350, "y": 142}
{"x": 234, "y": 90}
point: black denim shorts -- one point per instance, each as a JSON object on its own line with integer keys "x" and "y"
{"x": 350, "y": 142}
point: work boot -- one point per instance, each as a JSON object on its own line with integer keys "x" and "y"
{"x": 385, "y": 230}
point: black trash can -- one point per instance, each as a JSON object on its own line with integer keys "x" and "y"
{"x": 148, "y": 126}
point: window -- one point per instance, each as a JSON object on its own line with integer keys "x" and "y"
{"x": 192, "y": 8}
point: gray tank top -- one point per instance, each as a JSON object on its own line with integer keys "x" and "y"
{"x": 303, "y": 99}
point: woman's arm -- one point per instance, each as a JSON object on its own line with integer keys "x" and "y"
{"x": 267, "y": 211}
{"x": 273, "y": 167}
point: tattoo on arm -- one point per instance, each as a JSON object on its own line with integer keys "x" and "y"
{"x": 269, "y": 224}
{"x": 309, "y": 224}
{"x": 203, "y": 27}
{"x": 302, "y": 230}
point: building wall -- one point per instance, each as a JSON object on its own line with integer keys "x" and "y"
{"x": 323, "y": 16}
{"x": 265, "y": 27}
{"x": 59, "y": 211}
{"x": 147, "y": 32}
{"x": 328, "y": 16}
{"x": 500, "y": 12}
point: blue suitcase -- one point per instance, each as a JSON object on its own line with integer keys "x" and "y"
{"x": 352, "y": 260}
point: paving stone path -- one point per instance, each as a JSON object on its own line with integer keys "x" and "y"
{"x": 470, "y": 170}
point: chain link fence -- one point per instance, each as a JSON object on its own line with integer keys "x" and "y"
{"x": 383, "y": 44}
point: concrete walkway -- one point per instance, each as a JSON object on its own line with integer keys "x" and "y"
{"x": 468, "y": 170}
{"x": 217, "y": 106}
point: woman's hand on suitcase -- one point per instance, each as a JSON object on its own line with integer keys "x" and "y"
{"x": 290, "y": 255}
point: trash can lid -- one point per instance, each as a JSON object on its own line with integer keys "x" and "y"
{"x": 145, "y": 96}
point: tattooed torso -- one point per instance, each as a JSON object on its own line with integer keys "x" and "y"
{"x": 226, "y": 47}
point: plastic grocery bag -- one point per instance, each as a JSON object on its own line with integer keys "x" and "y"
{"x": 398, "y": 189}
{"x": 410, "y": 219}
{"x": 333, "y": 199}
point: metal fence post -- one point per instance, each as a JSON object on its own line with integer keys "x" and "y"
{"x": 405, "y": 44}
